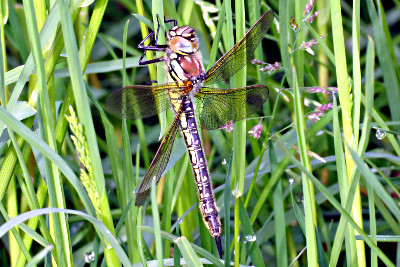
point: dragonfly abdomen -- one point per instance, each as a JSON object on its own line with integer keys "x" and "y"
{"x": 198, "y": 161}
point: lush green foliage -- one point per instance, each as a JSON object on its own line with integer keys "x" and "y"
{"x": 316, "y": 186}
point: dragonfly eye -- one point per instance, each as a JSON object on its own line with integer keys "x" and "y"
{"x": 181, "y": 45}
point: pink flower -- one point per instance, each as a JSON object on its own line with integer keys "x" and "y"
{"x": 307, "y": 46}
{"x": 256, "y": 131}
{"x": 257, "y": 62}
{"x": 314, "y": 116}
{"x": 272, "y": 67}
{"x": 293, "y": 24}
{"x": 319, "y": 112}
{"x": 311, "y": 154}
{"x": 312, "y": 17}
{"x": 309, "y": 7}
{"x": 313, "y": 90}
{"x": 228, "y": 127}
{"x": 324, "y": 108}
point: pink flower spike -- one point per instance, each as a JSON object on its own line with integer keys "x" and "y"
{"x": 293, "y": 24}
{"x": 228, "y": 127}
{"x": 308, "y": 44}
{"x": 256, "y": 131}
{"x": 317, "y": 90}
{"x": 271, "y": 67}
{"x": 309, "y": 7}
{"x": 314, "y": 116}
{"x": 324, "y": 108}
{"x": 257, "y": 62}
{"x": 312, "y": 17}
{"x": 311, "y": 154}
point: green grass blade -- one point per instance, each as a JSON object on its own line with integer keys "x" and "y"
{"x": 251, "y": 245}
{"x": 187, "y": 251}
{"x": 308, "y": 189}
{"x": 383, "y": 50}
{"x": 156, "y": 221}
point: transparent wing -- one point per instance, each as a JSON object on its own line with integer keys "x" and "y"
{"x": 217, "y": 107}
{"x": 141, "y": 101}
{"x": 159, "y": 162}
{"x": 241, "y": 53}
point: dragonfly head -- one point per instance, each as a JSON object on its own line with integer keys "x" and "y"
{"x": 183, "y": 40}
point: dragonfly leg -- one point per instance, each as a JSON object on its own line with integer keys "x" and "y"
{"x": 151, "y": 61}
{"x": 153, "y": 46}
{"x": 171, "y": 20}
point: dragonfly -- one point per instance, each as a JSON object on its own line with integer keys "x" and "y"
{"x": 194, "y": 103}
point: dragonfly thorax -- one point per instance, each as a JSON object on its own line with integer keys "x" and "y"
{"x": 183, "y": 40}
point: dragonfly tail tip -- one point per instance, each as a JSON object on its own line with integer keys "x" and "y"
{"x": 219, "y": 245}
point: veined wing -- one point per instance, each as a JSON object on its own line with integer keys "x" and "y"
{"x": 141, "y": 101}
{"x": 241, "y": 53}
{"x": 159, "y": 162}
{"x": 217, "y": 107}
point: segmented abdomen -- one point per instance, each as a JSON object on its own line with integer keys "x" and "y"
{"x": 192, "y": 139}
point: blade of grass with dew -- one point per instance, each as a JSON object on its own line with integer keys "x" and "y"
{"x": 308, "y": 188}
{"x": 84, "y": 114}
{"x": 346, "y": 106}
{"x": 392, "y": 140}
